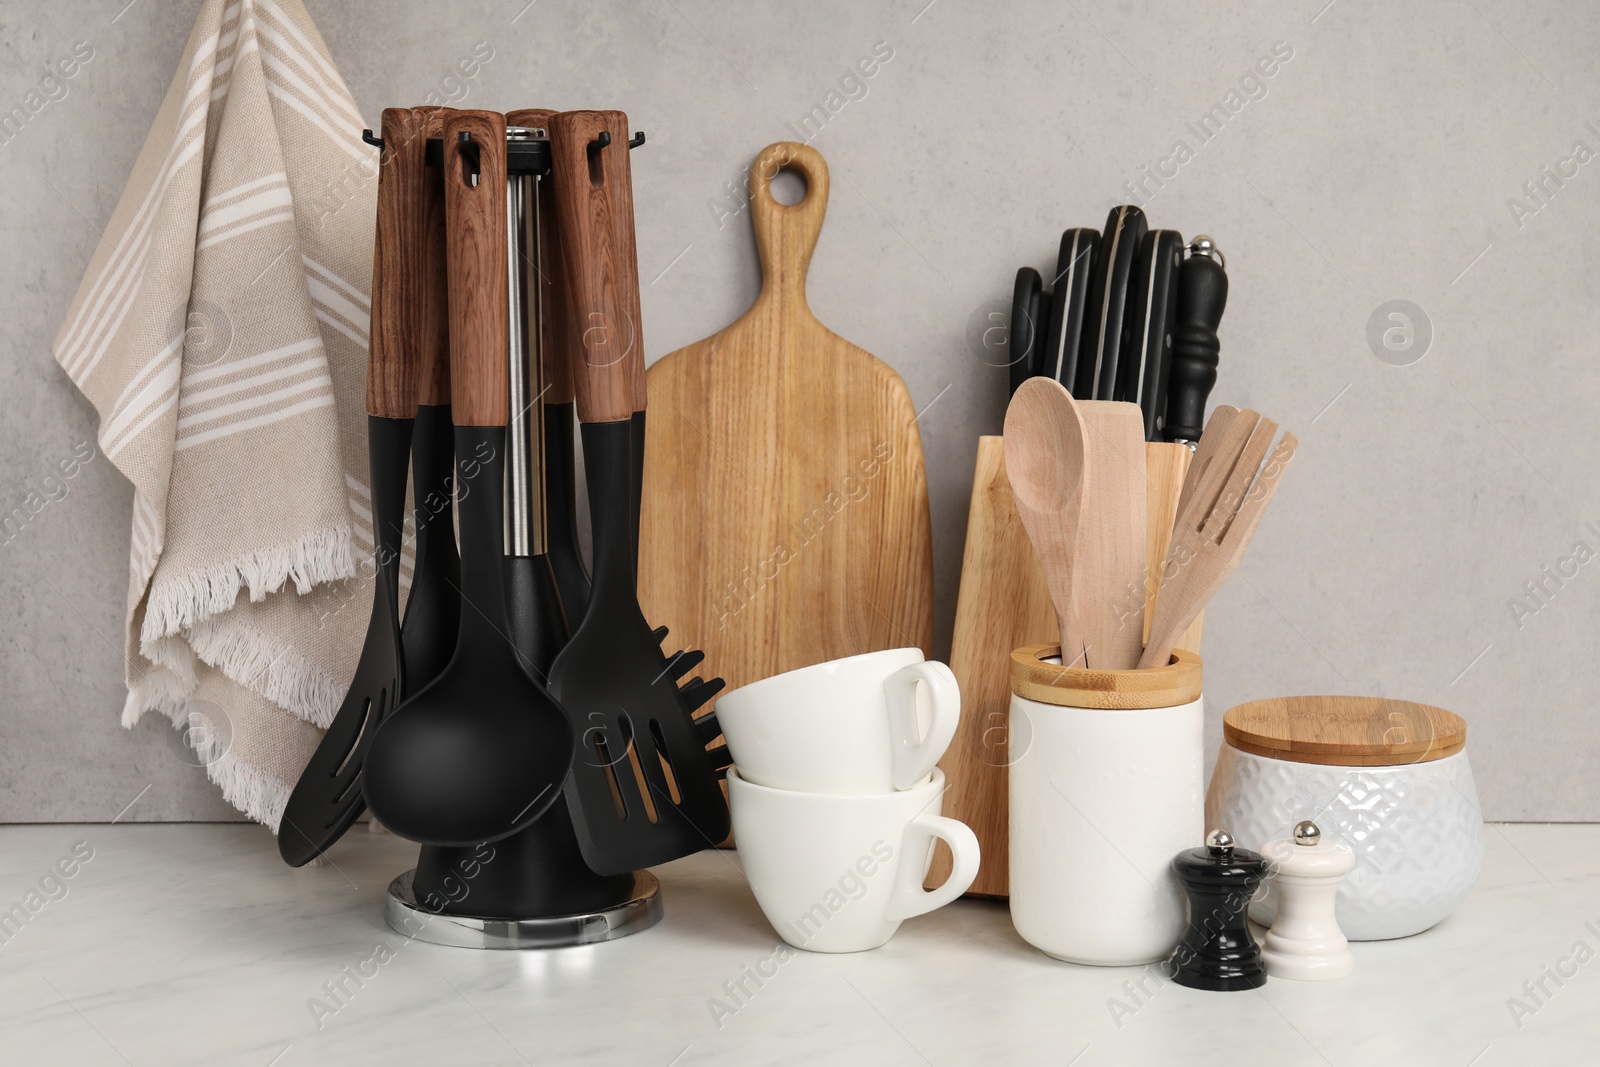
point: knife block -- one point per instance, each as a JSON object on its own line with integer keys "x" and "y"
{"x": 1003, "y": 604}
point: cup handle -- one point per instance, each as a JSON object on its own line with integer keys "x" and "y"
{"x": 909, "y": 898}
{"x": 911, "y": 759}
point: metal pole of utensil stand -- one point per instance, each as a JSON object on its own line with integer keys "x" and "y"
{"x": 517, "y": 473}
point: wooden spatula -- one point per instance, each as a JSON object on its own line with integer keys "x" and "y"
{"x": 1230, "y": 494}
{"x": 1110, "y": 569}
{"x": 1046, "y": 452}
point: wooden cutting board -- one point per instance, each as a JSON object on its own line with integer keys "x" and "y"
{"x": 785, "y": 510}
{"x": 1002, "y": 605}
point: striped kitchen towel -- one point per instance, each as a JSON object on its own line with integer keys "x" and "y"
{"x": 221, "y": 333}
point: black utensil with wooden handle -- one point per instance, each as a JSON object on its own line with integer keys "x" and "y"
{"x": 328, "y": 797}
{"x": 643, "y": 789}
{"x": 483, "y": 751}
{"x": 433, "y": 606}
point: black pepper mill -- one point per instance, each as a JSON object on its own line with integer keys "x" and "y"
{"x": 1218, "y": 951}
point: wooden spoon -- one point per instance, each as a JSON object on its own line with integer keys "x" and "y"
{"x": 1045, "y": 463}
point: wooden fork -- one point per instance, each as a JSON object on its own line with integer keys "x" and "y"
{"x": 1224, "y": 498}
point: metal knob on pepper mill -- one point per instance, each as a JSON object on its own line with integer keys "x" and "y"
{"x": 1218, "y": 951}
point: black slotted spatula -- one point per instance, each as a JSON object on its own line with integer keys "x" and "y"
{"x": 328, "y": 798}
{"x": 643, "y": 789}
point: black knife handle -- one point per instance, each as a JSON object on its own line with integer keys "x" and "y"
{"x": 1108, "y": 304}
{"x": 1147, "y": 362}
{"x": 1202, "y": 296}
{"x": 1068, "y": 309}
{"x": 1023, "y": 339}
{"x": 1041, "y": 334}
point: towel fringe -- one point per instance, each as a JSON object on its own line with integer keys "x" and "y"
{"x": 157, "y": 689}
{"x": 279, "y": 673}
{"x": 260, "y": 796}
{"x": 177, "y": 604}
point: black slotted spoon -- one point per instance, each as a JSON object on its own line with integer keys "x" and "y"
{"x": 328, "y": 799}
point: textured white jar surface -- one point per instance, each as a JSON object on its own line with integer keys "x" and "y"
{"x": 1416, "y": 831}
{"x": 1101, "y": 800}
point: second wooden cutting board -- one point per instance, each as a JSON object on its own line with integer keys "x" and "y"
{"x": 785, "y": 510}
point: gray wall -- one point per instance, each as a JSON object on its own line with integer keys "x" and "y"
{"x": 1380, "y": 164}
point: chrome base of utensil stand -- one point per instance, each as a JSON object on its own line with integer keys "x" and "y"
{"x": 406, "y": 916}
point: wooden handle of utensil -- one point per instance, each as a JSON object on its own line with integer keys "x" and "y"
{"x": 555, "y": 341}
{"x": 786, "y": 234}
{"x": 475, "y": 252}
{"x": 1166, "y": 464}
{"x": 433, "y": 329}
{"x": 397, "y": 267}
{"x": 628, "y": 258}
{"x": 591, "y": 193}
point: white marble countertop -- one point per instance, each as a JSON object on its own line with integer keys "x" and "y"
{"x": 192, "y": 943}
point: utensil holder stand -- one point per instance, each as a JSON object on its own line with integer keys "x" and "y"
{"x": 534, "y": 889}
{"x": 529, "y": 890}
{"x": 1106, "y": 786}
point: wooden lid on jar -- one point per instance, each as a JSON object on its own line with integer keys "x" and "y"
{"x": 1344, "y": 731}
{"x": 1033, "y": 676}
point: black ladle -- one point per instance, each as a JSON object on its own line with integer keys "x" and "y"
{"x": 483, "y": 751}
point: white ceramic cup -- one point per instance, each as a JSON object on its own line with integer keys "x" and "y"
{"x": 838, "y": 873}
{"x": 850, "y": 727}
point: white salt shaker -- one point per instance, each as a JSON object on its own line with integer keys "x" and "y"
{"x": 1305, "y": 942}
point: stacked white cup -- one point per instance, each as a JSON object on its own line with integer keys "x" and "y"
{"x": 835, "y": 796}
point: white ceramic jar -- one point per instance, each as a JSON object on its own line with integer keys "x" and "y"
{"x": 1106, "y": 786}
{"x": 1415, "y": 828}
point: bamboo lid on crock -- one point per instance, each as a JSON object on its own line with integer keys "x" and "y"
{"x": 1172, "y": 686}
{"x": 1344, "y": 731}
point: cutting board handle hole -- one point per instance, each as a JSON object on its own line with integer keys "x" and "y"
{"x": 789, "y": 187}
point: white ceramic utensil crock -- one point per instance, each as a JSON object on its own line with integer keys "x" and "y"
{"x": 1106, "y": 787}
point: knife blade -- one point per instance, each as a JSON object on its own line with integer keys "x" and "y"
{"x": 1074, "y": 269}
{"x": 1108, "y": 298}
{"x": 1023, "y": 338}
{"x": 1202, "y": 296}
{"x": 1152, "y": 311}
